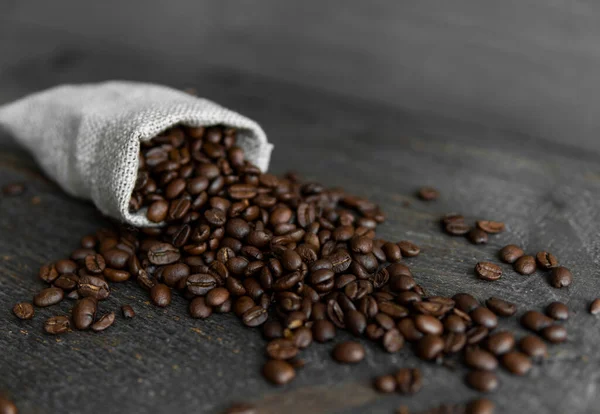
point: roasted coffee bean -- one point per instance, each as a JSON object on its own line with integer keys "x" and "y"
{"x": 199, "y": 309}
{"x": 429, "y": 324}
{"x": 355, "y": 322}
{"x": 302, "y": 337}
{"x": 80, "y": 254}
{"x": 595, "y": 307}
{"x": 534, "y": 347}
{"x": 67, "y": 282}
{"x": 392, "y": 252}
{"x": 160, "y": 295}
{"x": 535, "y": 321}
{"x": 484, "y": 381}
{"x": 409, "y": 249}
{"x": 217, "y": 296}
{"x": 429, "y": 347}
{"x": 561, "y": 277}
{"x": 145, "y": 280}
{"x": 525, "y": 265}
{"x": 157, "y": 211}
{"x": 393, "y": 310}
{"x": 454, "y": 342}
{"x": 478, "y": 358}
{"x": 273, "y": 330}
{"x": 465, "y": 302}
{"x": 348, "y": 352}
{"x": 374, "y": 332}
{"x": 480, "y": 406}
{"x": 278, "y": 372}
{"x": 392, "y": 341}
{"x": 452, "y": 218}
{"x": 57, "y": 325}
{"x": 244, "y": 408}
{"x": 428, "y": 193}
{"x": 104, "y": 322}
{"x": 163, "y": 254}
{"x": 281, "y": 348}
{"x": 477, "y": 236}
{"x": 409, "y": 331}
{"x": 491, "y": 227}
{"x": 385, "y": 321}
{"x": 48, "y": 273}
{"x": 294, "y": 320}
{"x": 48, "y": 297}
{"x": 340, "y": 261}
{"x": 335, "y": 313}
{"x": 23, "y": 310}
{"x": 115, "y": 275}
{"x": 291, "y": 260}
{"x": 554, "y": 334}
{"x": 128, "y": 311}
{"x": 200, "y": 284}
{"x": 454, "y": 323}
{"x": 65, "y": 266}
{"x": 546, "y": 260}
{"x": 485, "y": 317}
{"x": 361, "y": 244}
{"x": 255, "y": 316}
{"x": 13, "y": 189}
{"x": 516, "y": 362}
{"x": 323, "y": 330}
{"x": 93, "y": 286}
{"x": 7, "y": 406}
{"x": 84, "y": 313}
{"x": 94, "y": 263}
{"x": 511, "y": 253}
{"x": 409, "y": 380}
{"x": 501, "y": 307}
{"x": 385, "y": 384}
{"x": 116, "y": 258}
{"x": 488, "y": 271}
{"x": 500, "y": 343}
{"x": 558, "y": 311}
{"x": 457, "y": 228}
{"x": 476, "y": 334}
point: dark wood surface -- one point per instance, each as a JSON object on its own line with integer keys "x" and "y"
{"x": 162, "y": 361}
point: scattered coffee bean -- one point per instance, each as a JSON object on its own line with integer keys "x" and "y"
{"x": 484, "y": 381}
{"x": 409, "y": 380}
{"x": 429, "y": 347}
{"x": 457, "y": 228}
{"x": 278, "y": 372}
{"x": 516, "y": 362}
{"x": 385, "y": 383}
{"x": 554, "y": 334}
{"x": 23, "y": 310}
{"x": 546, "y": 260}
{"x": 534, "y": 347}
{"x": 488, "y": 271}
{"x": 281, "y": 348}
{"x": 7, "y": 406}
{"x": 323, "y": 330}
{"x": 501, "y": 307}
{"x": 428, "y": 193}
{"x": 429, "y": 324}
{"x": 128, "y": 311}
{"x": 480, "y": 406}
{"x": 393, "y": 341}
{"x": 525, "y": 265}
{"x": 595, "y": 307}
{"x": 199, "y": 308}
{"x": 95, "y": 263}
{"x": 511, "y": 253}
{"x": 57, "y": 325}
{"x": 491, "y": 227}
{"x": 465, "y": 302}
{"x": 478, "y": 358}
{"x": 409, "y": 249}
{"x": 485, "y": 317}
{"x": 558, "y": 311}
{"x": 93, "y": 286}
{"x": 500, "y": 343}
{"x": 348, "y": 352}
{"x": 104, "y": 322}
{"x": 535, "y": 321}
{"x": 84, "y": 313}
{"x": 160, "y": 295}
{"x": 477, "y": 236}
{"x": 561, "y": 277}
{"x": 48, "y": 297}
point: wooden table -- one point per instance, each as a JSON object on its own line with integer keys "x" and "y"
{"x": 162, "y": 361}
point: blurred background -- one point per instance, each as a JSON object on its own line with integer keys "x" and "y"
{"x": 524, "y": 66}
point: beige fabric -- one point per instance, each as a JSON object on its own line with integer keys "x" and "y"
{"x": 86, "y": 137}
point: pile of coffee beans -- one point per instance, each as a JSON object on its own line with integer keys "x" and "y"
{"x": 295, "y": 258}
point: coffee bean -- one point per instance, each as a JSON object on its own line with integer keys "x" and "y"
{"x": 511, "y": 253}
{"x": 348, "y": 352}
{"x": 163, "y": 254}
{"x": 355, "y": 322}
{"x": 485, "y": 317}
{"x": 160, "y": 295}
{"x": 480, "y": 406}
{"x": 393, "y": 341}
{"x": 428, "y": 193}
{"x": 57, "y": 325}
{"x": 323, "y": 331}
{"x": 501, "y": 307}
{"x": 199, "y": 309}
{"x": 200, "y": 284}
{"x": 478, "y": 358}
{"x": 454, "y": 323}
{"x": 173, "y": 273}
{"x": 104, "y": 322}
{"x": 116, "y": 276}
{"x": 534, "y": 347}
{"x": 278, "y": 372}
{"x": 48, "y": 273}
{"x": 128, "y": 311}
{"x": 409, "y": 249}
{"x": 409, "y": 380}
{"x": 255, "y": 316}
{"x": 23, "y": 310}
{"x": 67, "y": 282}
{"x": 302, "y": 337}
{"x": 558, "y": 311}
{"x": 476, "y": 334}
{"x": 13, "y": 189}
{"x": 48, "y": 297}
{"x": 116, "y": 258}
{"x": 561, "y": 277}
{"x": 546, "y": 260}
{"x": 457, "y": 228}
{"x": 291, "y": 260}
{"x": 84, "y": 313}
{"x": 535, "y": 321}
{"x": 454, "y": 342}
{"x": 429, "y": 347}
{"x": 554, "y": 334}
{"x": 157, "y": 211}
{"x": 217, "y": 296}
{"x": 281, "y": 348}
{"x": 94, "y": 263}
{"x": 595, "y": 307}
{"x": 409, "y": 331}
{"x": 65, "y": 266}
{"x": 465, "y": 302}
{"x": 385, "y": 384}
{"x": 245, "y": 408}
{"x": 484, "y": 381}
{"x": 477, "y": 236}
{"x": 491, "y": 227}
{"x": 429, "y": 324}
{"x": 488, "y": 271}
{"x": 7, "y": 406}
{"x": 392, "y": 252}
{"x": 525, "y": 265}
{"x": 516, "y": 362}
{"x": 93, "y": 286}
{"x": 500, "y": 343}
{"x": 294, "y": 320}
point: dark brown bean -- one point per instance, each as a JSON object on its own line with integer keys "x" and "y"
{"x": 409, "y": 249}
{"x": 554, "y": 334}
{"x": 511, "y": 253}
{"x": 429, "y": 347}
{"x": 392, "y": 341}
{"x": 348, "y": 352}
{"x": 501, "y": 307}
{"x": 516, "y": 362}
{"x": 488, "y": 271}
{"x": 48, "y": 297}
{"x": 199, "y": 309}
{"x": 561, "y": 277}
{"x": 84, "y": 313}
{"x": 491, "y": 227}
{"x": 535, "y": 321}
{"x": 484, "y": 381}
{"x": 558, "y": 311}
{"x": 534, "y": 347}
{"x": 465, "y": 302}
{"x": 160, "y": 294}
{"x": 323, "y": 330}
{"x": 501, "y": 342}
{"x": 23, "y": 310}
{"x": 409, "y": 380}
{"x": 478, "y": 358}
{"x": 57, "y": 325}
{"x": 546, "y": 260}
{"x": 485, "y": 317}
{"x": 104, "y": 322}
{"x": 278, "y": 372}
{"x": 93, "y": 286}
{"x": 255, "y": 316}
{"x": 525, "y": 265}
{"x": 128, "y": 311}
{"x": 428, "y": 193}
{"x": 477, "y": 236}
{"x": 385, "y": 384}
{"x": 480, "y": 406}
{"x": 595, "y": 307}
